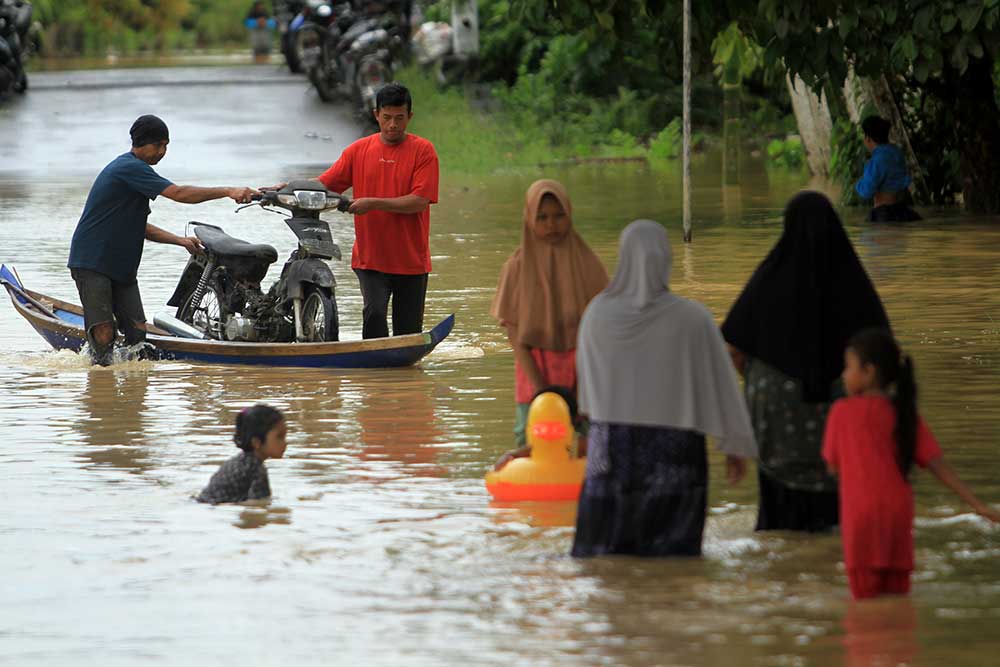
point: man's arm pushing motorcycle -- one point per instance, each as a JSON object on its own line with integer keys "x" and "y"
{"x": 189, "y": 243}
{"x": 193, "y": 194}
{"x": 404, "y": 204}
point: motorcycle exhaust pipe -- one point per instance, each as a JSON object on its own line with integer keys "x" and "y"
{"x": 168, "y": 322}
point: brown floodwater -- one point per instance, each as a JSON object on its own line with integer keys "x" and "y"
{"x": 380, "y": 545}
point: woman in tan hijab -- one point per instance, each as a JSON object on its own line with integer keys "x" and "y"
{"x": 544, "y": 288}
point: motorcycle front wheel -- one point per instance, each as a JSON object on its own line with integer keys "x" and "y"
{"x": 208, "y": 315}
{"x": 293, "y": 57}
{"x": 319, "y": 316}
{"x": 324, "y": 84}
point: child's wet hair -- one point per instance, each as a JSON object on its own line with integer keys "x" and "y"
{"x": 894, "y": 374}
{"x": 255, "y": 422}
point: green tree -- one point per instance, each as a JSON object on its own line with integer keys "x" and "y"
{"x": 938, "y": 54}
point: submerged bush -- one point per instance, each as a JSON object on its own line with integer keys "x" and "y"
{"x": 786, "y": 152}
{"x": 668, "y": 142}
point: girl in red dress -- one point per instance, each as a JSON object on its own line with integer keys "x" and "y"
{"x": 544, "y": 287}
{"x": 871, "y": 442}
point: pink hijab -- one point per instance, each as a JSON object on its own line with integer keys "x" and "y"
{"x": 544, "y": 286}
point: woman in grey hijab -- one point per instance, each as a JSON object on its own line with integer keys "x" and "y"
{"x": 654, "y": 378}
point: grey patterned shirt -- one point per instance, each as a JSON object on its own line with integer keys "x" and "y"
{"x": 242, "y": 477}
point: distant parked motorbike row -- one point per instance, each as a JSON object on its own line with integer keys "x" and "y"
{"x": 290, "y": 15}
{"x": 347, "y": 53}
{"x": 16, "y": 43}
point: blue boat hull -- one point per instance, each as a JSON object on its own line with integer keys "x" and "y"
{"x": 61, "y": 325}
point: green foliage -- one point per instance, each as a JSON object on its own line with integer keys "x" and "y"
{"x": 786, "y": 152}
{"x": 817, "y": 40}
{"x": 938, "y": 58}
{"x": 936, "y": 139}
{"x": 558, "y": 98}
{"x": 667, "y": 144}
{"x": 847, "y": 159}
{"x": 735, "y": 56}
{"x": 471, "y": 141}
{"x": 93, "y": 27}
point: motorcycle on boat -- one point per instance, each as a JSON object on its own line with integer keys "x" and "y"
{"x": 219, "y": 293}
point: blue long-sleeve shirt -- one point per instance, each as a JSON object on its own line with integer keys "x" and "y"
{"x": 884, "y": 172}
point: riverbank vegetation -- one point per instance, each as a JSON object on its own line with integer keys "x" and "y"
{"x": 581, "y": 71}
{"x": 603, "y": 80}
{"x": 97, "y": 27}
{"x": 553, "y": 95}
{"x": 582, "y": 93}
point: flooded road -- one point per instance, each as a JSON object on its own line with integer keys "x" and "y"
{"x": 380, "y": 546}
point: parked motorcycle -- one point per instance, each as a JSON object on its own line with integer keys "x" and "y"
{"x": 285, "y": 13}
{"x": 318, "y": 41}
{"x": 15, "y": 25}
{"x": 371, "y": 57}
{"x": 219, "y": 292}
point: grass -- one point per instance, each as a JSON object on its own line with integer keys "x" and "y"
{"x": 471, "y": 140}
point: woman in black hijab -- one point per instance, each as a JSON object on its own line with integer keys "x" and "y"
{"x": 787, "y": 332}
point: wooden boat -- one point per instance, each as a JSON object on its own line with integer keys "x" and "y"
{"x": 61, "y": 324}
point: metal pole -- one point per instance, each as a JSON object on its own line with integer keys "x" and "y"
{"x": 687, "y": 122}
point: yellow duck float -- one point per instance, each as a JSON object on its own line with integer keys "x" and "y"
{"x": 548, "y": 473}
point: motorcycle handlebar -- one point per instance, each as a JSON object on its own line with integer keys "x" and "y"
{"x": 343, "y": 203}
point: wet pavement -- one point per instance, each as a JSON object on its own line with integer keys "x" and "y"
{"x": 105, "y": 79}
{"x": 225, "y": 123}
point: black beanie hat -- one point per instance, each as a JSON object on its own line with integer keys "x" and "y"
{"x": 148, "y": 129}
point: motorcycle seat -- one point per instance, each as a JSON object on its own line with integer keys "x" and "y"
{"x": 222, "y": 243}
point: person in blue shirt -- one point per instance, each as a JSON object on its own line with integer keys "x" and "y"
{"x": 107, "y": 244}
{"x": 886, "y": 177}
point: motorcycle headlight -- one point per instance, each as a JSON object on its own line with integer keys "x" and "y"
{"x": 311, "y": 199}
{"x": 288, "y": 200}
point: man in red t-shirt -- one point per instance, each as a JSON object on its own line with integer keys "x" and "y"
{"x": 395, "y": 180}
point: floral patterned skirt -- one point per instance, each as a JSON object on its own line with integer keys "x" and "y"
{"x": 645, "y": 492}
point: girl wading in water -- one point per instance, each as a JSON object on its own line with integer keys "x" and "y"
{"x": 543, "y": 290}
{"x": 872, "y": 440}
{"x": 260, "y": 433}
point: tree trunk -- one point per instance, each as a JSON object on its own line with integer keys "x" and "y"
{"x": 732, "y": 130}
{"x": 976, "y": 114}
{"x": 686, "y": 122}
{"x": 815, "y": 125}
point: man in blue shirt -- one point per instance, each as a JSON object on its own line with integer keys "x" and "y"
{"x": 886, "y": 177}
{"x": 107, "y": 244}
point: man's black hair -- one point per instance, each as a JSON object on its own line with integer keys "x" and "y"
{"x": 393, "y": 95}
{"x": 876, "y": 128}
{"x": 148, "y": 129}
